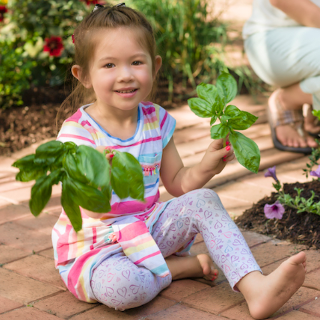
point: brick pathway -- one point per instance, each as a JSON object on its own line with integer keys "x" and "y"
{"x": 31, "y": 288}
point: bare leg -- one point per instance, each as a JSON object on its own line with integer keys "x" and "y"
{"x": 266, "y": 294}
{"x": 192, "y": 267}
{"x": 293, "y": 98}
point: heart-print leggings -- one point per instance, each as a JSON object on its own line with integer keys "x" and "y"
{"x": 199, "y": 211}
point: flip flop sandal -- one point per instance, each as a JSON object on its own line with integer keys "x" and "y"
{"x": 277, "y": 117}
{"x": 316, "y": 123}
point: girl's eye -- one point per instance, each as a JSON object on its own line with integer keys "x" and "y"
{"x": 109, "y": 65}
{"x": 136, "y": 63}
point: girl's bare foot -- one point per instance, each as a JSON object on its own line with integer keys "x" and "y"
{"x": 267, "y": 294}
{"x": 197, "y": 266}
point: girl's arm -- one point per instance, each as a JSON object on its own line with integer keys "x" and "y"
{"x": 179, "y": 180}
{"x": 304, "y": 12}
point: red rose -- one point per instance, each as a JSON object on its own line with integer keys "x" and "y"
{"x": 54, "y": 46}
{"x": 3, "y": 10}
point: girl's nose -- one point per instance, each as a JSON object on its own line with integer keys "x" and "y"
{"x": 125, "y": 74}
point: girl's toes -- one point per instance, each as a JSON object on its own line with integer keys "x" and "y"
{"x": 213, "y": 275}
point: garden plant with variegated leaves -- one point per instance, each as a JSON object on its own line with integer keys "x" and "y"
{"x": 86, "y": 175}
{"x": 212, "y": 103}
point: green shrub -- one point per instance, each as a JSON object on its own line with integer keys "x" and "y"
{"x": 15, "y": 74}
{"x": 30, "y": 23}
{"x": 186, "y": 36}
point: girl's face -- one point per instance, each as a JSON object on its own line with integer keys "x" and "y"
{"x": 121, "y": 69}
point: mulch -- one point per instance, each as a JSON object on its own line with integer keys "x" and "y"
{"x": 300, "y": 228}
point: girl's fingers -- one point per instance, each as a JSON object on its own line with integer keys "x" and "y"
{"x": 109, "y": 156}
{"x": 229, "y": 155}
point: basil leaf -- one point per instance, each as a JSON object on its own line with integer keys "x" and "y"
{"x": 47, "y": 153}
{"x": 238, "y": 119}
{"x": 201, "y": 107}
{"x": 213, "y": 120}
{"x": 41, "y": 191}
{"x": 94, "y": 166}
{"x": 87, "y": 196}
{"x": 88, "y": 166}
{"x": 228, "y": 85}
{"x": 29, "y": 175}
{"x": 71, "y": 146}
{"x": 127, "y": 176}
{"x": 71, "y": 209}
{"x": 207, "y": 92}
{"x": 25, "y": 163}
{"x": 71, "y": 166}
{"x": 246, "y": 151}
{"x": 219, "y": 131}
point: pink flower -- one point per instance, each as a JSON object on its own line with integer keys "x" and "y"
{"x": 54, "y": 46}
{"x": 316, "y": 173}
{"x": 275, "y": 210}
{"x": 3, "y": 10}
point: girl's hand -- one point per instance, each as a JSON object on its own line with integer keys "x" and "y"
{"x": 217, "y": 156}
{"x": 109, "y": 155}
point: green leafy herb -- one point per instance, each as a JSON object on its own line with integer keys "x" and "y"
{"x": 211, "y": 103}
{"x": 86, "y": 175}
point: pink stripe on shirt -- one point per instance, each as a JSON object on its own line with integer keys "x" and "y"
{"x": 134, "y": 206}
{"x": 74, "y": 136}
{"x": 132, "y": 231}
{"x": 148, "y": 110}
{"x": 148, "y": 256}
{"x": 163, "y": 120}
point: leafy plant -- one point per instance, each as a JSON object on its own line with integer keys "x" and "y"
{"x": 314, "y": 157}
{"x": 86, "y": 176}
{"x": 212, "y": 103}
{"x": 15, "y": 74}
{"x": 298, "y": 202}
{"x": 30, "y": 24}
{"x": 188, "y": 38}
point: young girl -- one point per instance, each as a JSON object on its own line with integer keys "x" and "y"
{"x": 125, "y": 257}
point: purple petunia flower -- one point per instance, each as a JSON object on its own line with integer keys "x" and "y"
{"x": 271, "y": 172}
{"x": 275, "y": 210}
{"x": 316, "y": 173}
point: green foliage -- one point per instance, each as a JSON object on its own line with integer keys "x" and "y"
{"x": 314, "y": 157}
{"x": 211, "y": 103}
{"x": 300, "y": 203}
{"x": 22, "y": 42}
{"x": 15, "y": 74}
{"x": 86, "y": 176}
{"x": 316, "y": 113}
{"x": 185, "y": 34}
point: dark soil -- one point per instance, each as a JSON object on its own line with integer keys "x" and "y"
{"x": 301, "y": 228}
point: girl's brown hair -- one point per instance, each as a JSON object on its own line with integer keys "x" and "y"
{"x": 84, "y": 41}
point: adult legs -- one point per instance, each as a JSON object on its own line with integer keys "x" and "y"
{"x": 288, "y": 58}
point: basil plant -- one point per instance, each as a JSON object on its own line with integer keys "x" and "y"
{"x": 86, "y": 175}
{"x": 212, "y": 103}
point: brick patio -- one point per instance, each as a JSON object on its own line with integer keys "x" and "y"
{"x": 31, "y": 288}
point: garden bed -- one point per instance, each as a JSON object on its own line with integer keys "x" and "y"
{"x": 21, "y": 126}
{"x": 300, "y": 228}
